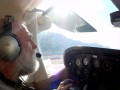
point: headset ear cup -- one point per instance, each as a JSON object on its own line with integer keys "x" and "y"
{"x": 9, "y": 48}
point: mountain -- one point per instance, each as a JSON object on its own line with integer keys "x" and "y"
{"x": 52, "y": 43}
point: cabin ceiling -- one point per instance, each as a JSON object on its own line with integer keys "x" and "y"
{"x": 17, "y": 7}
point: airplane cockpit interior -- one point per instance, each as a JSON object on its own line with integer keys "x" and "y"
{"x": 76, "y": 39}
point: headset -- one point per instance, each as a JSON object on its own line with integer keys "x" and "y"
{"x": 10, "y": 46}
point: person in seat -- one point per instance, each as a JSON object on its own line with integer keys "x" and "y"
{"x": 17, "y": 55}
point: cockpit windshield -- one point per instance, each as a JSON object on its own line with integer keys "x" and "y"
{"x": 76, "y": 23}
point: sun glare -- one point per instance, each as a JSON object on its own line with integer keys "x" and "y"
{"x": 64, "y": 11}
{"x": 94, "y": 12}
{"x": 63, "y": 8}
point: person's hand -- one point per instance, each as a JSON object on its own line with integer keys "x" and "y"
{"x": 65, "y": 85}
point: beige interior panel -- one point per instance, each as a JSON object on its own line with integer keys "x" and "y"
{"x": 17, "y": 7}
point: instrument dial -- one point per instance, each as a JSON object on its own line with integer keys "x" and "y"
{"x": 78, "y": 61}
{"x": 96, "y": 63}
{"x": 85, "y": 61}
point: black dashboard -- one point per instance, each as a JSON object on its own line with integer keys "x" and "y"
{"x": 93, "y": 68}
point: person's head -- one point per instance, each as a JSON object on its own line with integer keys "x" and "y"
{"x": 25, "y": 63}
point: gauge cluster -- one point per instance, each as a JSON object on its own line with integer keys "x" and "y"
{"x": 93, "y": 68}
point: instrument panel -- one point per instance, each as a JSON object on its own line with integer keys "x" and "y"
{"x": 93, "y": 68}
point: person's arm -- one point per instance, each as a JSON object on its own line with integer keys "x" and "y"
{"x": 45, "y": 84}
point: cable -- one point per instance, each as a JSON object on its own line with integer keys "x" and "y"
{"x": 26, "y": 86}
{"x": 24, "y": 81}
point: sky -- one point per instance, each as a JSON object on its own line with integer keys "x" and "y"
{"x": 95, "y": 12}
